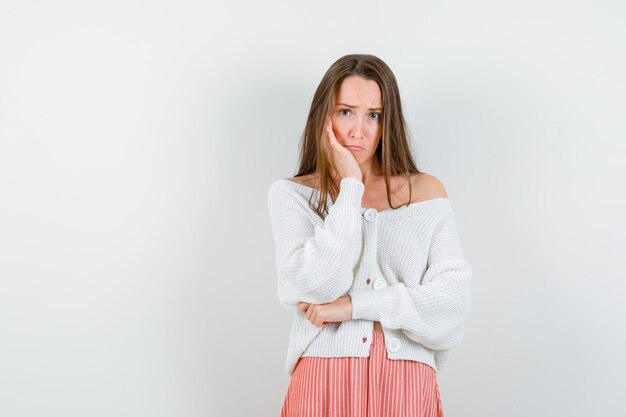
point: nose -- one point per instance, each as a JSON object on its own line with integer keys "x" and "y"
{"x": 356, "y": 130}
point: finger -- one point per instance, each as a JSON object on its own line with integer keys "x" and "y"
{"x": 329, "y": 147}
{"x": 331, "y": 134}
{"x": 334, "y": 143}
{"x": 319, "y": 319}
{"x": 329, "y": 127}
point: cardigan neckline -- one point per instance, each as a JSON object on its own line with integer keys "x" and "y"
{"x": 416, "y": 207}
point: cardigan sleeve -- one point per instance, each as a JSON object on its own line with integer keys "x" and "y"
{"x": 433, "y": 312}
{"x": 315, "y": 259}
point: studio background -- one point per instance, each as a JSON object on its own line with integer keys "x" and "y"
{"x": 137, "y": 143}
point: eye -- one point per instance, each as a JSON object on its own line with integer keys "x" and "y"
{"x": 341, "y": 110}
{"x": 378, "y": 115}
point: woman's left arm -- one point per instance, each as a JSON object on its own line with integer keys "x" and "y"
{"x": 433, "y": 313}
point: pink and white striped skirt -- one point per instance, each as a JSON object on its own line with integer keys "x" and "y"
{"x": 374, "y": 386}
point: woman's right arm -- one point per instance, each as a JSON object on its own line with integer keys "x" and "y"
{"x": 315, "y": 263}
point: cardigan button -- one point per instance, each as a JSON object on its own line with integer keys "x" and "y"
{"x": 364, "y": 339}
{"x": 379, "y": 283}
{"x": 368, "y": 281}
{"x": 370, "y": 214}
{"x": 393, "y": 344}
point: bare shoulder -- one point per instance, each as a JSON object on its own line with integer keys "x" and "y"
{"x": 428, "y": 186}
{"x": 308, "y": 180}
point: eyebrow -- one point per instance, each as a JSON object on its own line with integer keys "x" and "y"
{"x": 348, "y": 105}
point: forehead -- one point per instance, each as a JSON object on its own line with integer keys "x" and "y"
{"x": 358, "y": 91}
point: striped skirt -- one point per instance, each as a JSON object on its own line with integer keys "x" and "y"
{"x": 374, "y": 386}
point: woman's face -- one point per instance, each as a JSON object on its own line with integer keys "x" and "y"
{"x": 357, "y": 116}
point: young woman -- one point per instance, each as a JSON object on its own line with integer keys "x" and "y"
{"x": 368, "y": 257}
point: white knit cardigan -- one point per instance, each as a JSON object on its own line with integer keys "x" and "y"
{"x": 402, "y": 267}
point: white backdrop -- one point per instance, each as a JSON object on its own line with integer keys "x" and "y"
{"x": 137, "y": 142}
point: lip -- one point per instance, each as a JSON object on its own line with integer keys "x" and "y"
{"x": 354, "y": 148}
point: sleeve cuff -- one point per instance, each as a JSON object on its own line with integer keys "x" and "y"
{"x": 350, "y": 192}
{"x": 367, "y": 304}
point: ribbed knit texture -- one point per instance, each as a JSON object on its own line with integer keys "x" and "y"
{"x": 403, "y": 267}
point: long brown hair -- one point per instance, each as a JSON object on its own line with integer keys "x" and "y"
{"x": 393, "y": 152}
